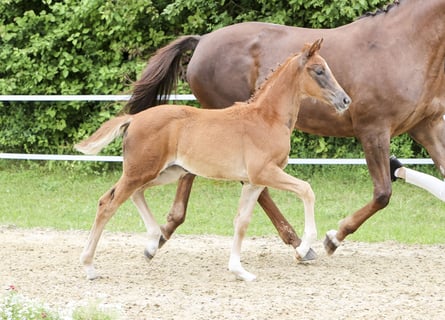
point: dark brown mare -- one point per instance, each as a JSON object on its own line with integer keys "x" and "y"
{"x": 248, "y": 142}
{"x": 392, "y": 64}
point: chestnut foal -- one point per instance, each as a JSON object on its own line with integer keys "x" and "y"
{"x": 248, "y": 142}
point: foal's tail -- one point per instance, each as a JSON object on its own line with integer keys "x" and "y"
{"x": 107, "y": 132}
{"x": 160, "y": 75}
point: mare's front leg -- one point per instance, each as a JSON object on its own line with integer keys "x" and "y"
{"x": 249, "y": 196}
{"x": 376, "y": 148}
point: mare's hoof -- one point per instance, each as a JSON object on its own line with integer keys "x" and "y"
{"x": 148, "y": 255}
{"x": 331, "y": 242}
{"x": 310, "y": 256}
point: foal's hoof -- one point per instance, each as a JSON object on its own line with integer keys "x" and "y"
{"x": 153, "y": 246}
{"x": 331, "y": 242}
{"x": 148, "y": 255}
{"x": 91, "y": 272}
{"x": 310, "y": 256}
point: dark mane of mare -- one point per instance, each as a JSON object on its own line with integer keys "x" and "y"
{"x": 391, "y": 62}
{"x": 381, "y": 10}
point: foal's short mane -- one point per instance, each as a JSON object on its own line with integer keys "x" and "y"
{"x": 272, "y": 74}
{"x": 381, "y": 10}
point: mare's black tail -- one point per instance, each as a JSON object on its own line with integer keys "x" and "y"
{"x": 160, "y": 76}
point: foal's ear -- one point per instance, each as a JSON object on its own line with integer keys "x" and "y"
{"x": 310, "y": 49}
{"x": 315, "y": 47}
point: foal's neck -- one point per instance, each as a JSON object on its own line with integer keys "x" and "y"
{"x": 279, "y": 97}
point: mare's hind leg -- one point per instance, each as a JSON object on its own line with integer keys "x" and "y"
{"x": 249, "y": 196}
{"x": 108, "y": 204}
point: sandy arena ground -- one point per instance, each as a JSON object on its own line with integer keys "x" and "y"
{"x": 188, "y": 279}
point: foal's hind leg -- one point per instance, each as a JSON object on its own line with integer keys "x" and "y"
{"x": 177, "y": 213}
{"x": 249, "y": 196}
{"x": 153, "y": 230}
{"x": 157, "y": 235}
{"x": 108, "y": 204}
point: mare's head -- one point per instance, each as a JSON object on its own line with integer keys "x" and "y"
{"x": 317, "y": 80}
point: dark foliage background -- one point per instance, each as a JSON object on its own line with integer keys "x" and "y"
{"x": 98, "y": 46}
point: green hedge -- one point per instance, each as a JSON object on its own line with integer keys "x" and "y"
{"x": 99, "y": 46}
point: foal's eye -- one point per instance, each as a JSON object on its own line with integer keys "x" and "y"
{"x": 319, "y": 70}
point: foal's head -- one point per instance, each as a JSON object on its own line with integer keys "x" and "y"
{"x": 317, "y": 80}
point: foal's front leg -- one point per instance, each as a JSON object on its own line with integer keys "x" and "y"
{"x": 276, "y": 178}
{"x": 249, "y": 196}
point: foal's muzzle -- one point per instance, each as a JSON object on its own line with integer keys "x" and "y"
{"x": 341, "y": 101}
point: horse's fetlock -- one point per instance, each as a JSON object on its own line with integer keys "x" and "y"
{"x": 176, "y": 218}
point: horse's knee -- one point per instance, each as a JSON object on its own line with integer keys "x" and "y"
{"x": 307, "y": 193}
{"x": 310, "y": 193}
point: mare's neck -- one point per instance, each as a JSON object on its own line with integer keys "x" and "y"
{"x": 279, "y": 97}
{"x": 425, "y": 21}
{"x": 415, "y": 20}
{"x": 430, "y": 23}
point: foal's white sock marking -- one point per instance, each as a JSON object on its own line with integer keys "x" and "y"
{"x": 153, "y": 241}
{"x": 237, "y": 269}
{"x": 306, "y": 243}
{"x": 91, "y": 272}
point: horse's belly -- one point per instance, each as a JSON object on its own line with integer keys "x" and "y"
{"x": 214, "y": 166}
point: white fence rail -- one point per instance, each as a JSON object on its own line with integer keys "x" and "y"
{"x": 178, "y": 97}
{"x": 97, "y": 97}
